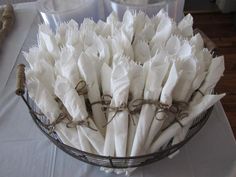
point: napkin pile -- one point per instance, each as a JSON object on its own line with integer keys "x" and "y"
{"x": 122, "y": 88}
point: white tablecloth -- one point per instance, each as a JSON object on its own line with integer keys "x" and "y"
{"x": 25, "y": 151}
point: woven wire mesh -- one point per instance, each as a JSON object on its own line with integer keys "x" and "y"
{"x": 114, "y": 162}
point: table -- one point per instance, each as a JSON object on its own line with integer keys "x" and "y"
{"x": 25, "y": 151}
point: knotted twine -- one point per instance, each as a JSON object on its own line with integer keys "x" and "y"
{"x": 64, "y": 116}
{"x": 135, "y": 106}
{"x": 132, "y": 107}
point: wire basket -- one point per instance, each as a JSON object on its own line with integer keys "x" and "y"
{"x": 108, "y": 161}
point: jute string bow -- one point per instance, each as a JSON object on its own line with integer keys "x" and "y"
{"x": 134, "y": 107}
{"x": 65, "y": 117}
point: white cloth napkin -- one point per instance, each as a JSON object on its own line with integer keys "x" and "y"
{"x": 186, "y": 26}
{"x": 144, "y": 28}
{"x": 89, "y": 74}
{"x": 189, "y": 70}
{"x": 47, "y": 41}
{"x": 67, "y": 35}
{"x": 67, "y": 94}
{"x": 152, "y": 91}
{"x": 142, "y": 52}
{"x": 121, "y": 45}
{"x": 109, "y": 146}
{"x": 77, "y": 110}
{"x": 45, "y": 74}
{"x": 173, "y": 45}
{"x": 42, "y": 96}
{"x": 35, "y": 55}
{"x": 163, "y": 31}
{"x": 128, "y": 24}
{"x": 215, "y": 72}
{"x": 138, "y": 80}
{"x": 45, "y": 101}
{"x": 194, "y": 111}
{"x": 197, "y": 41}
{"x": 165, "y": 98}
{"x": 66, "y": 66}
{"x": 120, "y": 84}
{"x": 68, "y": 136}
{"x": 102, "y": 28}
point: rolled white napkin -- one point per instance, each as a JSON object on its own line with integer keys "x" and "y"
{"x": 166, "y": 99}
{"x": 36, "y": 54}
{"x": 87, "y": 26}
{"x": 152, "y": 91}
{"x": 67, "y": 67}
{"x": 89, "y": 74}
{"x": 102, "y": 28}
{"x": 186, "y": 50}
{"x": 214, "y": 74}
{"x": 113, "y": 22}
{"x": 173, "y": 45}
{"x": 109, "y": 144}
{"x": 186, "y": 26}
{"x": 155, "y": 76}
{"x": 128, "y": 25}
{"x": 138, "y": 79}
{"x": 68, "y": 136}
{"x": 60, "y": 35}
{"x": 67, "y": 94}
{"x": 206, "y": 102}
{"x": 140, "y": 19}
{"x": 45, "y": 74}
{"x": 121, "y": 45}
{"x": 47, "y": 40}
{"x": 145, "y": 32}
{"x": 120, "y": 84}
{"x": 164, "y": 30}
{"x": 142, "y": 52}
{"x": 45, "y": 101}
{"x": 99, "y": 52}
{"x": 203, "y": 60}
{"x": 72, "y": 37}
{"x": 77, "y": 110}
{"x": 189, "y": 71}
{"x": 67, "y": 35}
{"x": 99, "y": 49}
{"x": 43, "y": 98}
{"x": 197, "y": 41}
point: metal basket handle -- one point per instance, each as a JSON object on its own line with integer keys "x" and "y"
{"x": 20, "y": 80}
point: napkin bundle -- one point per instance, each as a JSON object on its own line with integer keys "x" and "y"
{"x": 122, "y": 88}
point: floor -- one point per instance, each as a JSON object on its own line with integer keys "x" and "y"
{"x": 200, "y": 6}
